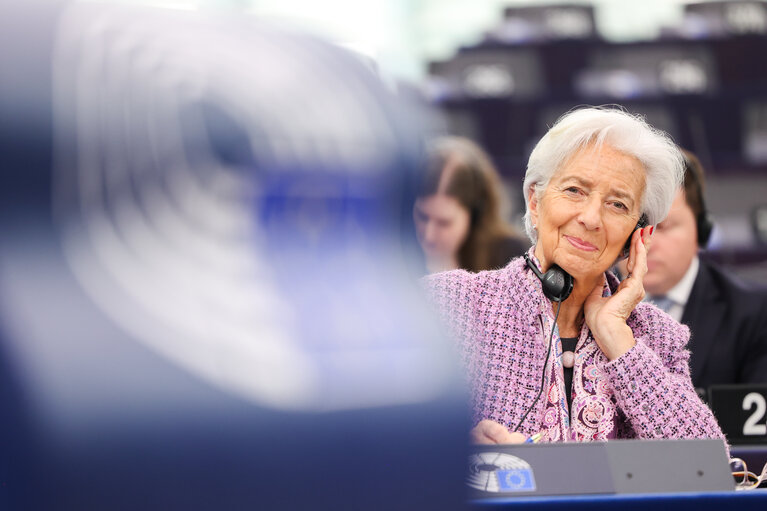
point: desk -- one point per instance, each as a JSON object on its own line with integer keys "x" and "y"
{"x": 692, "y": 501}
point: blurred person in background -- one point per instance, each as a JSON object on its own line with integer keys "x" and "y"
{"x": 553, "y": 344}
{"x": 202, "y": 284}
{"x": 727, "y": 319}
{"x": 458, "y": 212}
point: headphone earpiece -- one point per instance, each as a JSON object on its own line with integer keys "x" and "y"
{"x": 643, "y": 221}
{"x": 703, "y": 220}
{"x": 557, "y": 284}
{"x": 705, "y": 225}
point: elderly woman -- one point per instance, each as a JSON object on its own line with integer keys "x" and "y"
{"x": 553, "y": 344}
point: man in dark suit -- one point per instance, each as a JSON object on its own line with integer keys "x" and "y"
{"x": 727, "y": 319}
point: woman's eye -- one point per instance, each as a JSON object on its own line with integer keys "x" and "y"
{"x": 620, "y": 205}
{"x": 573, "y": 190}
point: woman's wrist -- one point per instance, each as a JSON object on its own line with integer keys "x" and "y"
{"x": 614, "y": 340}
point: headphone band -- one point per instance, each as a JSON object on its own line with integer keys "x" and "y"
{"x": 703, "y": 220}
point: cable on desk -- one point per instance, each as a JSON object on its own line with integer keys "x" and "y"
{"x": 741, "y": 470}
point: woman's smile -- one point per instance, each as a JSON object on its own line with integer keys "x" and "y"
{"x": 580, "y": 244}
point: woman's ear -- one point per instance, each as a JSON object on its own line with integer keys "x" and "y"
{"x": 532, "y": 205}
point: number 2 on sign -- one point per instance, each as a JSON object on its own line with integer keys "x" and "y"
{"x": 751, "y": 427}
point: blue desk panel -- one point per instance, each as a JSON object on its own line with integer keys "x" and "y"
{"x": 740, "y": 500}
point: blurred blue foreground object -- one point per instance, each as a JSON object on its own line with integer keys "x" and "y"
{"x": 206, "y": 298}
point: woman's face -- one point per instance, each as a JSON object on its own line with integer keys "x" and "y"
{"x": 442, "y": 225}
{"x": 588, "y": 211}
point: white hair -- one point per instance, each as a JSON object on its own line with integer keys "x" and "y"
{"x": 662, "y": 160}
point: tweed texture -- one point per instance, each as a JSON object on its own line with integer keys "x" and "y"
{"x": 502, "y": 321}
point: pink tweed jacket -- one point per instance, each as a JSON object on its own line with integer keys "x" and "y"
{"x": 502, "y": 322}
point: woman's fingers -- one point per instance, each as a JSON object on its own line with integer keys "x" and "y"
{"x": 640, "y": 260}
{"x": 632, "y": 257}
{"x": 634, "y": 284}
{"x": 637, "y": 261}
{"x": 490, "y": 432}
{"x": 516, "y": 438}
{"x": 631, "y": 290}
{"x": 648, "y": 238}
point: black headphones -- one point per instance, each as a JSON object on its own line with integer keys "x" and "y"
{"x": 557, "y": 283}
{"x": 703, "y": 221}
{"x": 643, "y": 222}
{"x": 705, "y": 226}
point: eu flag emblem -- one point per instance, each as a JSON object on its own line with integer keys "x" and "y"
{"x": 515, "y": 479}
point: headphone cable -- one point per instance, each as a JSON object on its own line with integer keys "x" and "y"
{"x": 543, "y": 375}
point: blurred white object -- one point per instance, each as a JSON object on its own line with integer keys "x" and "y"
{"x": 224, "y": 194}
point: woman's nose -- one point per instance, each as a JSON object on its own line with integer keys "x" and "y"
{"x": 591, "y": 213}
{"x": 429, "y": 232}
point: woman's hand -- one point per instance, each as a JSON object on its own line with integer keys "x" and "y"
{"x": 490, "y": 432}
{"x": 606, "y": 316}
